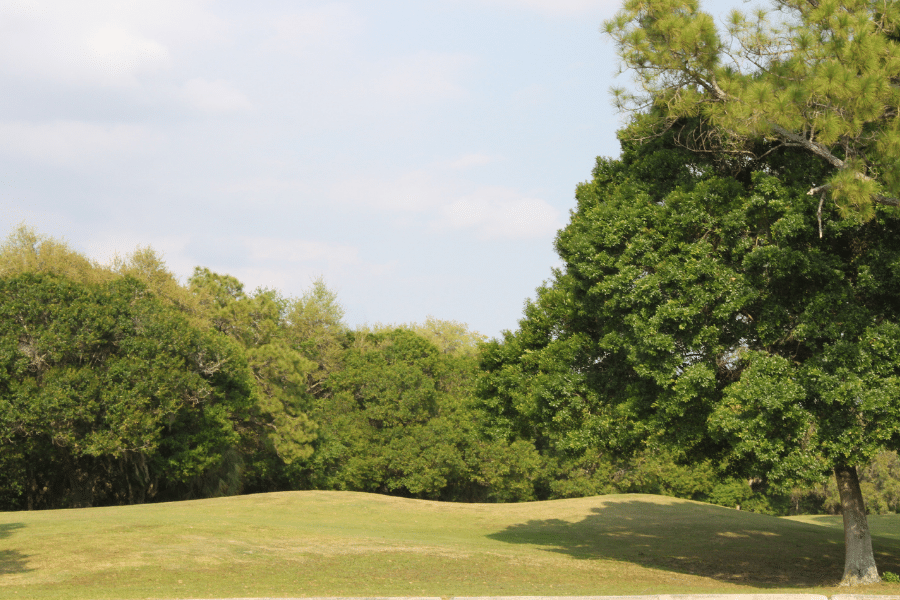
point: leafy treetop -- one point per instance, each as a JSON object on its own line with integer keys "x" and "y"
{"x": 818, "y": 75}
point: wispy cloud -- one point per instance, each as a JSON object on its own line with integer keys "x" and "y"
{"x": 74, "y": 144}
{"x": 422, "y": 77}
{"x": 500, "y": 213}
{"x": 490, "y": 212}
{"x": 215, "y": 96}
{"x": 97, "y": 42}
{"x": 468, "y": 161}
{"x": 289, "y": 264}
{"x": 431, "y": 196}
{"x": 327, "y": 28}
{"x": 118, "y": 50}
{"x": 412, "y": 192}
{"x": 298, "y": 251}
{"x": 554, "y": 7}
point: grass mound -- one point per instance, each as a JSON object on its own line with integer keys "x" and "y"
{"x": 353, "y": 544}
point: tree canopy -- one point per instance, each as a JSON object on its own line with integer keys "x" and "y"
{"x": 398, "y": 418}
{"x": 699, "y": 311}
{"x": 107, "y": 394}
{"x": 123, "y": 385}
{"x": 820, "y": 76}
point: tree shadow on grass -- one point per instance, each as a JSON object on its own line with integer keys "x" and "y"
{"x": 11, "y": 561}
{"x": 704, "y": 540}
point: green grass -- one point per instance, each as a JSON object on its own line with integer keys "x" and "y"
{"x": 351, "y": 544}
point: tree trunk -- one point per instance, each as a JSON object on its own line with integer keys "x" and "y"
{"x": 859, "y": 561}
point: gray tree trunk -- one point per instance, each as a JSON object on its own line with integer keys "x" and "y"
{"x": 859, "y": 560}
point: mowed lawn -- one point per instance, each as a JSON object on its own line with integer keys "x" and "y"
{"x": 352, "y": 544}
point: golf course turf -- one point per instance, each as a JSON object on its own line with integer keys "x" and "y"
{"x": 300, "y": 544}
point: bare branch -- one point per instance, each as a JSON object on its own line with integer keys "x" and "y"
{"x": 817, "y": 149}
{"x": 877, "y": 198}
{"x": 819, "y": 213}
{"x": 886, "y": 200}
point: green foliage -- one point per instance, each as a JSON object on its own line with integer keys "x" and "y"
{"x": 108, "y": 395}
{"x": 147, "y": 266}
{"x": 315, "y": 326}
{"x": 703, "y": 314}
{"x": 383, "y": 408}
{"x": 278, "y": 431}
{"x": 880, "y": 483}
{"x": 813, "y": 75}
{"x": 450, "y": 337}
{"x": 25, "y": 251}
{"x": 396, "y": 420}
{"x": 386, "y": 408}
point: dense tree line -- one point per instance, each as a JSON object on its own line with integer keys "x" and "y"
{"x": 120, "y": 385}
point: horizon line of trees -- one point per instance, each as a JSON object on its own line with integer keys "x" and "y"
{"x": 121, "y": 385}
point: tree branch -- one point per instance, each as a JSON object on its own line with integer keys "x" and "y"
{"x": 819, "y": 213}
{"x": 886, "y": 200}
{"x": 877, "y": 198}
{"x": 817, "y": 149}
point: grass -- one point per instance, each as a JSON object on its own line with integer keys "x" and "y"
{"x": 298, "y": 544}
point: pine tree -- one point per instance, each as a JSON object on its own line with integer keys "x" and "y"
{"x": 821, "y": 75}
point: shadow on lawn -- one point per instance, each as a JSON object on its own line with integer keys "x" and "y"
{"x": 11, "y": 561}
{"x": 700, "y": 539}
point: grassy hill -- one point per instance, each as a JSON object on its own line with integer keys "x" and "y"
{"x": 352, "y": 544}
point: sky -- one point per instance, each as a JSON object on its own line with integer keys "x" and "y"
{"x": 419, "y": 156}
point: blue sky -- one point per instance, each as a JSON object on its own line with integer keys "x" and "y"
{"x": 420, "y": 156}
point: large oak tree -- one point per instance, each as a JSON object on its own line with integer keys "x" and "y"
{"x": 702, "y": 312}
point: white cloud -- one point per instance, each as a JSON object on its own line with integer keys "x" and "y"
{"x": 73, "y": 144}
{"x": 298, "y": 251}
{"x": 329, "y": 28}
{"x": 98, "y": 42}
{"x": 491, "y": 212}
{"x": 22, "y": 8}
{"x": 498, "y": 212}
{"x": 292, "y": 265}
{"x": 263, "y": 189}
{"x": 117, "y": 50}
{"x": 422, "y": 77}
{"x": 471, "y": 160}
{"x": 416, "y": 191}
{"x": 256, "y": 277}
{"x": 215, "y": 96}
{"x": 558, "y": 7}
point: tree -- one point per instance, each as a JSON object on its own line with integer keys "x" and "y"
{"x": 315, "y": 326}
{"x": 25, "y": 251}
{"x": 450, "y": 337}
{"x": 108, "y": 395}
{"x": 397, "y": 420}
{"x": 699, "y": 312}
{"x": 277, "y": 432}
{"x": 822, "y": 78}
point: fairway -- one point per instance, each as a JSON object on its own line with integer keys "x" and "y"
{"x": 354, "y": 544}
